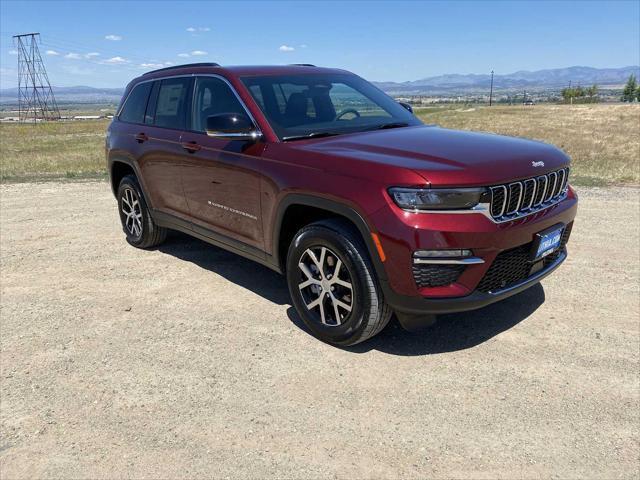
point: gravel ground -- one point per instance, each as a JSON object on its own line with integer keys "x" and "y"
{"x": 188, "y": 361}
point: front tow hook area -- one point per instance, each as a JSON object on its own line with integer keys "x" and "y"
{"x": 416, "y": 323}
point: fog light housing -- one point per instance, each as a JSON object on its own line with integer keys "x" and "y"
{"x": 461, "y": 256}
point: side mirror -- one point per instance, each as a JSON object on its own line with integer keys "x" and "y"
{"x": 232, "y": 126}
{"x": 406, "y": 106}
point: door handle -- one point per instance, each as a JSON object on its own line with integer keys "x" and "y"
{"x": 191, "y": 147}
{"x": 141, "y": 137}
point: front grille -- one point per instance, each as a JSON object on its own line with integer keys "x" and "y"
{"x": 436, "y": 275}
{"x": 513, "y": 266}
{"x": 521, "y": 198}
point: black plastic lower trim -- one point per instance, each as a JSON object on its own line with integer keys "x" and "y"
{"x": 234, "y": 246}
{"x": 426, "y": 306}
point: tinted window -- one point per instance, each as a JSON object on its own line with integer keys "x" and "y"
{"x": 136, "y": 103}
{"x": 151, "y": 104}
{"x": 172, "y": 103}
{"x": 213, "y": 96}
{"x": 334, "y": 103}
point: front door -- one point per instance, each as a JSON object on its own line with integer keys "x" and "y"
{"x": 221, "y": 178}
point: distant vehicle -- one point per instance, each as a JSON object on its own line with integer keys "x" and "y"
{"x": 529, "y": 102}
{"x": 319, "y": 175}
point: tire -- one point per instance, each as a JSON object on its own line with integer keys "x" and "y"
{"x": 140, "y": 229}
{"x": 320, "y": 298}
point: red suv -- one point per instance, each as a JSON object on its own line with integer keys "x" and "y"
{"x": 317, "y": 174}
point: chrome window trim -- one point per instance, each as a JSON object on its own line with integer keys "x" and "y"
{"x": 195, "y": 76}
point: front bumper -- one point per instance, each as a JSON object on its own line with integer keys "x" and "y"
{"x": 471, "y": 231}
{"x": 473, "y": 301}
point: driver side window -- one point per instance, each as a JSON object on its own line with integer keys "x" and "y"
{"x": 212, "y": 97}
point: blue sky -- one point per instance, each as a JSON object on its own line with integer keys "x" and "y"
{"x": 105, "y": 44}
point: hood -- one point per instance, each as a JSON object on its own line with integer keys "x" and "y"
{"x": 446, "y": 157}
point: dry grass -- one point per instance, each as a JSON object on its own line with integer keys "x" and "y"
{"x": 603, "y": 140}
{"x": 52, "y": 150}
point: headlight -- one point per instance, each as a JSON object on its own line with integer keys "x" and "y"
{"x": 437, "y": 198}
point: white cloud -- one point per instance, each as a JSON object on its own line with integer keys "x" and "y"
{"x": 304, "y": 45}
{"x": 113, "y": 38}
{"x": 204, "y": 29}
{"x": 116, "y": 60}
{"x": 168, "y": 64}
{"x": 198, "y": 29}
{"x": 13, "y": 52}
{"x": 52, "y": 53}
{"x": 92, "y": 55}
{"x": 183, "y": 55}
{"x": 198, "y": 53}
{"x": 73, "y": 56}
{"x": 286, "y": 48}
{"x": 152, "y": 65}
{"x": 191, "y": 29}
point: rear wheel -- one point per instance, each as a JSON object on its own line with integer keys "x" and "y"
{"x": 138, "y": 226}
{"x": 333, "y": 284}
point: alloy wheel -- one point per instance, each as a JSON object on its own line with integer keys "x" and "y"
{"x": 325, "y": 285}
{"x": 132, "y": 211}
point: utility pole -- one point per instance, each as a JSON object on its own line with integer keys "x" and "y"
{"x": 491, "y": 91}
{"x": 35, "y": 96}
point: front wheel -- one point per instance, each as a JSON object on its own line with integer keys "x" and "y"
{"x": 333, "y": 284}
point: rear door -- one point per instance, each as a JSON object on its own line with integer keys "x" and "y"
{"x": 165, "y": 120}
{"x": 221, "y": 178}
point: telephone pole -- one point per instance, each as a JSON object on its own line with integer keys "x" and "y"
{"x": 491, "y": 91}
{"x": 35, "y": 96}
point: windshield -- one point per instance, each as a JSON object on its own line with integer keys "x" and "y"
{"x": 308, "y": 105}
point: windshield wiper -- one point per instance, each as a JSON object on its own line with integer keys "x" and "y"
{"x": 384, "y": 126}
{"x": 310, "y": 135}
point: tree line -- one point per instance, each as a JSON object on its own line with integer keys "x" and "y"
{"x": 631, "y": 91}
{"x": 580, "y": 95}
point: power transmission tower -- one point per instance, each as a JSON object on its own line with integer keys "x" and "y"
{"x": 35, "y": 97}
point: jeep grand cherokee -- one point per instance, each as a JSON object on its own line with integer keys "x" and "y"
{"x": 317, "y": 174}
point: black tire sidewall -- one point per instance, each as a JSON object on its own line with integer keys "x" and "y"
{"x": 322, "y": 236}
{"x": 130, "y": 182}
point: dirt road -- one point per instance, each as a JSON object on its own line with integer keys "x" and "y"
{"x": 188, "y": 361}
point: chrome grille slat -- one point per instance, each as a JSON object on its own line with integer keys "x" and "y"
{"x": 528, "y": 194}
{"x": 553, "y": 179}
{"x": 497, "y": 193}
{"x": 516, "y": 199}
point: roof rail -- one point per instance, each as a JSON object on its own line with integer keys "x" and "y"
{"x": 186, "y": 65}
{"x": 302, "y": 65}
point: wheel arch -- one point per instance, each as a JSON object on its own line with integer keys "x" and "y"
{"x": 313, "y": 208}
{"x": 118, "y": 169}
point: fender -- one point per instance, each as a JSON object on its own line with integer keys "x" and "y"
{"x": 136, "y": 170}
{"x": 337, "y": 208}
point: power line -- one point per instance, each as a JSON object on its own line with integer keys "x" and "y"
{"x": 35, "y": 96}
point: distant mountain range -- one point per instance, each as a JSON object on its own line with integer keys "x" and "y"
{"x": 541, "y": 79}
{"x": 443, "y": 84}
{"x": 66, "y": 95}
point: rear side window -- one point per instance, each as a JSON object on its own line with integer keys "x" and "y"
{"x": 172, "y": 103}
{"x": 136, "y": 104}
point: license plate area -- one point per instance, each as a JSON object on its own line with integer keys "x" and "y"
{"x": 546, "y": 242}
